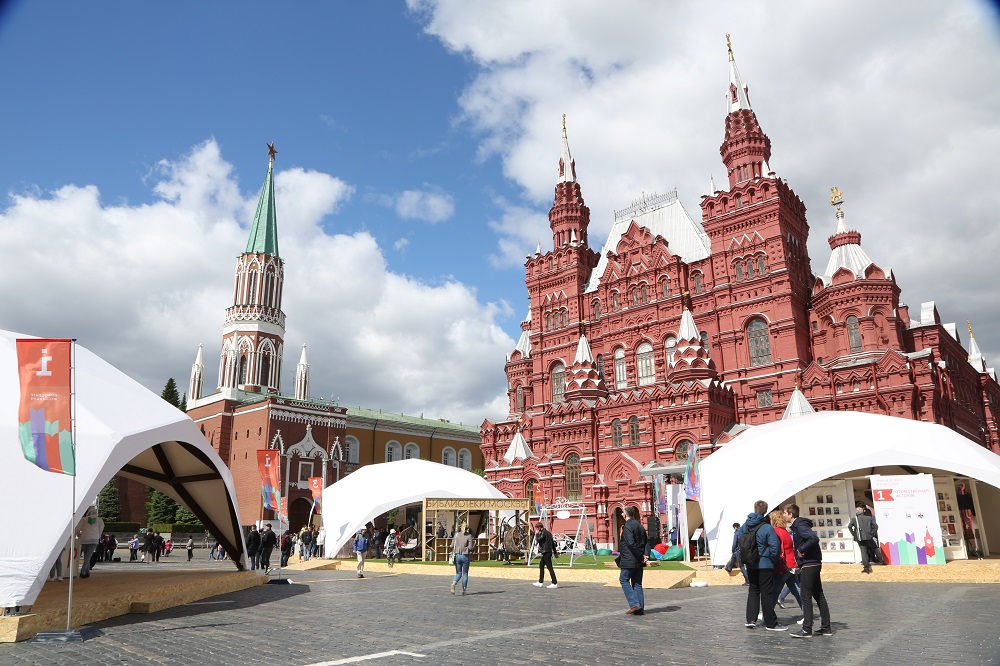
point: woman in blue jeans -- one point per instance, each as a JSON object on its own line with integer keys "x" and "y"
{"x": 461, "y": 546}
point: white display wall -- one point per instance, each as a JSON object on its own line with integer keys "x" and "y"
{"x": 829, "y": 505}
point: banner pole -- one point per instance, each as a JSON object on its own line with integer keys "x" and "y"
{"x": 72, "y": 508}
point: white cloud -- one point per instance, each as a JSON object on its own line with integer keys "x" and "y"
{"x": 892, "y": 107}
{"x": 143, "y": 285}
{"x": 521, "y": 229}
{"x": 401, "y": 244}
{"x": 430, "y": 205}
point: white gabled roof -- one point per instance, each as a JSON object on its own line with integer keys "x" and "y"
{"x": 683, "y": 234}
{"x": 798, "y": 405}
{"x": 518, "y": 449}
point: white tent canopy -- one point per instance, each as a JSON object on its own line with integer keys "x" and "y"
{"x": 120, "y": 427}
{"x": 773, "y": 462}
{"x": 355, "y": 500}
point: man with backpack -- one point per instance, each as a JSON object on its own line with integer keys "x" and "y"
{"x": 759, "y": 547}
{"x": 361, "y": 544}
{"x": 809, "y": 557}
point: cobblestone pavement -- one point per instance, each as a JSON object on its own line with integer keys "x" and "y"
{"x": 330, "y": 617}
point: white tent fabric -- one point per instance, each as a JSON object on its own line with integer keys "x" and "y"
{"x": 773, "y": 462}
{"x": 374, "y": 489}
{"x": 120, "y": 426}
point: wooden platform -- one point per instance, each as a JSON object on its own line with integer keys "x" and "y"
{"x": 110, "y": 592}
{"x": 956, "y": 571}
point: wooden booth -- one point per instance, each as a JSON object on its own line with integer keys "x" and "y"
{"x": 488, "y": 519}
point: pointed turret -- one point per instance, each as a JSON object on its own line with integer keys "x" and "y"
{"x": 197, "y": 383}
{"x": 569, "y": 216}
{"x": 798, "y": 404}
{"x": 583, "y": 381}
{"x": 746, "y": 149}
{"x": 691, "y": 360}
{"x": 518, "y": 449}
{"x": 845, "y": 244}
{"x": 975, "y": 356}
{"x": 302, "y": 377}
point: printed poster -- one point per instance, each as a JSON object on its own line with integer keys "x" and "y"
{"x": 906, "y": 511}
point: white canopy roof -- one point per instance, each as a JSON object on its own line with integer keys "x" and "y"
{"x": 120, "y": 426}
{"x": 355, "y": 500}
{"x": 773, "y": 462}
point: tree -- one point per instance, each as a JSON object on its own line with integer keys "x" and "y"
{"x": 160, "y": 508}
{"x": 186, "y": 517}
{"x": 109, "y": 506}
{"x": 170, "y": 393}
{"x": 184, "y": 402}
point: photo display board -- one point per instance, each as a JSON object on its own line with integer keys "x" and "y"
{"x": 827, "y": 505}
{"x": 906, "y": 510}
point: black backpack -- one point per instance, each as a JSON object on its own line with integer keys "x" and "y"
{"x": 749, "y": 553}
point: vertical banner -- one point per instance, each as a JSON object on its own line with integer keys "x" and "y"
{"x": 692, "y": 475}
{"x": 316, "y": 486}
{"x": 906, "y": 511}
{"x": 268, "y": 464}
{"x": 45, "y": 415}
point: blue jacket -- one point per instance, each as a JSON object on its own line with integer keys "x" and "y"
{"x": 768, "y": 544}
{"x": 806, "y": 542}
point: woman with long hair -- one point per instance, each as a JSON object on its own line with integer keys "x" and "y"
{"x": 461, "y": 546}
{"x": 789, "y": 576}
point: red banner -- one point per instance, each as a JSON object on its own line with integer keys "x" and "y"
{"x": 45, "y": 414}
{"x": 316, "y": 486}
{"x": 269, "y": 466}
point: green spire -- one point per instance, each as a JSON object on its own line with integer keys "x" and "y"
{"x": 264, "y": 230}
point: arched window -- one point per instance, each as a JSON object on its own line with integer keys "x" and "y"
{"x": 854, "y": 334}
{"x": 242, "y": 376}
{"x": 760, "y": 342}
{"x": 448, "y": 456}
{"x": 643, "y": 294}
{"x": 704, "y": 340}
{"x": 739, "y": 271}
{"x": 616, "y": 433}
{"x": 558, "y": 382}
{"x": 750, "y": 269}
{"x": 529, "y": 494}
{"x": 564, "y": 318}
{"x": 760, "y": 265}
{"x": 671, "y": 348}
{"x": 683, "y": 449}
{"x": 635, "y": 296}
{"x": 251, "y": 286}
{"x": 465, "y": 460}
{"x": 548, "y": 322}
{"x": 393, "y": 452}
{"x": 644, "y": 364}
{"x": 265, "y": 370}
{"x": 597, "y": 311}
{"x": 519, "y": 399}
{"x": 698, "y": 287}
{"x": 739, "y": 199}
{"x": 614, "y": 301}
{"x": 268, "y": 288}
{"x": 574, "y": 486}
{"x": 600, "y": 366}
{"x": 633, "y": 431}
{"x": 352, "y": 450}
{"x": 411, "y": 450}
{"x": 665, "y": 288}
{"x": 621, "y": 381}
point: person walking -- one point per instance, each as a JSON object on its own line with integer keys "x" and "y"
{"x": 545, "y": 547}
{"x": 633, "y": 557}
{"x": 306, "y": 541}
{"x": 321, "y": 543}
{"x": 133, "y": 549}
{"x": 361, "y": 550}
{"x": 785, "y": 567}
{"x": 253, "y": 547}
{"x": 734, "y": 561}
{"x": 809, "y": 557}
{"x": 461, "y": 546}
{"x": 287, "y": 544}
{"x": 758, "y": 552}
{"x": 863, "y": 528}
{"x": 89, "y": 530}
{"x": 190, "y": 548}
{"x": 268, "y": 540}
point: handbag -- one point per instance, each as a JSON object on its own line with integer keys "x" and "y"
{"x": 451, "y": 558}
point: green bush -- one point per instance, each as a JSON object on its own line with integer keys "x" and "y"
{"x": 122, "y": 527}
{"x": 177, "y": 527}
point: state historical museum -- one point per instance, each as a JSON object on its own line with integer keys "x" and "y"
{"x": 679, "y": 335}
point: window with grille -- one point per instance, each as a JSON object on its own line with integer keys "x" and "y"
{"x": 411, "y": 451}
{"x": 644, "y": 364}
{"x": 854, "y": 335}
{"x": 465, "y": 460}
{"x": 759, "y": 340}
{"x": 393, "y": 451}
{"x": 616, "y": 433}
{"x": 683, "y": 449}
{"x": 764, "y": 398}
{"x": 671, "y": 348}
{"x": 448, "y": 456}
{"x": 633, "y": 431}
{"x": 558, "y": 382}
{"x": 519, "y": 398}
{"x": 574, "y": 486}
{"x": 620, "y": 379}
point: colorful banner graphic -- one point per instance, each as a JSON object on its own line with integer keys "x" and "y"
{"x": 316, "y": 486}
{"x": 906, "y": 511}
{"x": 692, "y": 475}
{"x": 268, "y": 464}
{"x": 45, "y": 413}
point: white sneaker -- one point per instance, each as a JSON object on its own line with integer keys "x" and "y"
{"x": 777, "y": 627}
{"x": 537, "y": 584}
{"x": 553, "y": 586}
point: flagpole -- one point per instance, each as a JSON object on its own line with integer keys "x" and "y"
{"x": 72, "y": 509}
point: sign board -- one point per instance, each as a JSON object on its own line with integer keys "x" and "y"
{"x": 697, "y": 534}
{"x": 906, "y": 511}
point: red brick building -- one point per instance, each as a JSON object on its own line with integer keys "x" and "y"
{"x": 677, "y": 334}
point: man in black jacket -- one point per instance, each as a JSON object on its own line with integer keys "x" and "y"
{"x": 545, "y": 547}
{"x": 809, "y": 557}
{"x": 863, "y": 528}
{"x": 253, "y": 546}
{"x": 633, "y": 556}
{"x": 268, "y": 540}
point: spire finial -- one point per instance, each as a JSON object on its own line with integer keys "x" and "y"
{"x": 729, "y": 46}
{"x": 564, "y": 125}
{"x": 969, "y": 322}
{"x": 271, "y": 152}
{"x": 836, "y": 198}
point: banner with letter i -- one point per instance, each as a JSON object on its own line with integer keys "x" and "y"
{"x": 268, "y": 461}
{"x": 316, "y": 486}
{"x": 45, "y": 413}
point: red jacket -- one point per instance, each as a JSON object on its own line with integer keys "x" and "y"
{"x": 787, "y": 550}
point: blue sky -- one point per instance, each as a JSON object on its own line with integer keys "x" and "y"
{"x": 418, "y": 144}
